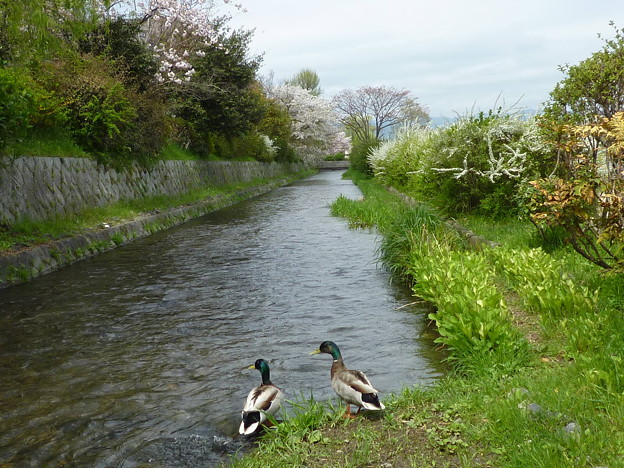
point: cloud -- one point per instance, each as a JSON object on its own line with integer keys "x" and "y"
{"x": 452, "y": 54}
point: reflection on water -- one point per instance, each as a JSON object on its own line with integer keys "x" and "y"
{"x": 138, "y": 355}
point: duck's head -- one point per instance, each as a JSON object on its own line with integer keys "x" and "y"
{"x": 328, "y": 347}
{"x": 263, "y": 367}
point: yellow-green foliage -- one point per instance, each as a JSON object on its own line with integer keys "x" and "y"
{"x": 472, "y": 317}
{"x": 542, "y": 283}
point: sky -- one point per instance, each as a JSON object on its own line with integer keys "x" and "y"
{"x": 455, "y": 56}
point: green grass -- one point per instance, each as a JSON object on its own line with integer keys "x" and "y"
{"x": 512, "y": 231}
{"x": 174, "y": 152}
{"x": 45, "y": 143}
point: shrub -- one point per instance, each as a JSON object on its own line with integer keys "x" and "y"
{"x": 474, "y": 164}
{"x": 395, "y": 162}
{"x": 335, "y": 157}
{"x": 101, "y": 118}
{"x": 253, "y": 145}
{"x": 119, "y": 39}
{"x": 25, "y": 105}
{"x": 359, "y": 156}
{"x": 275, "y": 123}
{"x": 478, "y": 162}
{"x": 115, "y": 123}
{"x": 17, "y": 105}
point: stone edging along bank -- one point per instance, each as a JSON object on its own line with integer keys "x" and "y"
{"x": 475, "y": 241}
{"x": 23, "y": 266}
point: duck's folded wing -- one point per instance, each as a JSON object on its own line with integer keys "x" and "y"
{"x": 359, "y": 382}
{"x": 265, "y": 398}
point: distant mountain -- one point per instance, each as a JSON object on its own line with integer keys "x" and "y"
{"x": 444, "y": 121}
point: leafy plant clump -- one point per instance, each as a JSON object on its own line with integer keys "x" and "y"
{"x": 473, "y": 165}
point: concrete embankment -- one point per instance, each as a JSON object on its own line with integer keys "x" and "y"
{"x": 55, "y": 196}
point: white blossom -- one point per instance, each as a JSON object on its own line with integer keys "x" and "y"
{"x": 175, "y": 30}
{"x": 315, "y": 127}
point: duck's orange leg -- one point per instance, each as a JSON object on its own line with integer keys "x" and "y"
{"x": 348, "y": 414}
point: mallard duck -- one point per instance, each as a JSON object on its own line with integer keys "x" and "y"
{"x": 262, "y": 401}
{"x": 352, "y": 386}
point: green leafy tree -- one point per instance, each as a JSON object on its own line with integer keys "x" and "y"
{"x": 223, "y": 96}
{"x": 583, "y": 121}
{"x": 34, "y": 28}
{"x": 120, "y": 40}
{"x": 276, "y": 124}
{"x": 307, "y": 79}
{"x": 592, "y": 89}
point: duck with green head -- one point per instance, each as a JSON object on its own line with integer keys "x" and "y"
{"x": 352, "y": 386}
{"x": 262, "y": 401}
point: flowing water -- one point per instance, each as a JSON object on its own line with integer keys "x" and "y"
{"x": 138, "y": 356}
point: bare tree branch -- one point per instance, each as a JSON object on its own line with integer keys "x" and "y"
{"x": 370, "y": 111}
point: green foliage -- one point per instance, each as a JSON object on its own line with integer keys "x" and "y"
{"x": 378, "y": 208}
{"x": 276, "y": 124}
{"x": 419, "y": 247}
{"x": 593, "y": 88}
{"x": 359, "y": 156}
{"x": 413, "y": 232}
{"x": 47, "y": 142}
{"x": 150, "y": 128}
{"x": 307, "y": 79}
{"x": 16, "y": 106}
{"x": 396, "y": 161}
{"x": 583, "y": 196}
{"x": 25, "y": 106}
{"x": 587, "y": 202}
{"x": 335, "y": 157}
{"x": 32, "y": 29}
{"x": 101, "y": 118}
{"x": 119, "y": 40}
{"x": 106, "y": 117}
{"x": 173, "y": 151}
{"x": 471, "y": 315}
{"x": 248, "y": 146}
{"x": 224, "y": 88}
{"x": 476, "y": 163}
{"x": 542, "y": 284}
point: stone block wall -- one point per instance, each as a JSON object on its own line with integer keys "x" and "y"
{"x": 39, "y": 187}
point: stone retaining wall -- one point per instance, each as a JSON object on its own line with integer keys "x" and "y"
{"x": 20, "y": 266}
{"x": 39, "y": 187}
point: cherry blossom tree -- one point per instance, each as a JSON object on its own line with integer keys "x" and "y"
{"x": 178, "y": 30}
{"x": 315, "y": 127}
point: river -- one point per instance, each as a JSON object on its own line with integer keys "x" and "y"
{"x": 138, "y": 355}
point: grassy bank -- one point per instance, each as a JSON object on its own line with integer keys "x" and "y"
{"x": 535, "y": 339}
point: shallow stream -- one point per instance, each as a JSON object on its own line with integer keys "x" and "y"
{"x": 137, "y": 356}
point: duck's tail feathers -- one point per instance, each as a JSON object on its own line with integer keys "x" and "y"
{"x": 250, "y": 422}
{"x": 370, "y": 401}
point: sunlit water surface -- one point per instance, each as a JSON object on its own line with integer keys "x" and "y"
{"x": 138, "y": 356}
